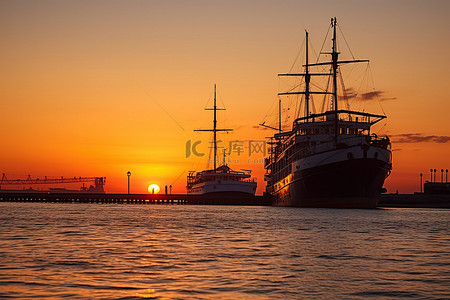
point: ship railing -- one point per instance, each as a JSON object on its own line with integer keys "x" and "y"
{"x": 231, "y": 172}
{"x": 343, "y": 115}
{"x": 199, "y": 180}
{"x": 381, "y": 142}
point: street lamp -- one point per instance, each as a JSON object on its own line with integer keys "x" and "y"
{"x": 129, "y": 175}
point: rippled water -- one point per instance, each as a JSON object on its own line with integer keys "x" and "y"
{"x": 221, "y": 252}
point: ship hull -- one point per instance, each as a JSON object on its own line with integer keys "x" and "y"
{"x": 353, "y": 183}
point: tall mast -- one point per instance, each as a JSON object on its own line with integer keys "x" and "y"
{"x": 215, "y": 128}
{"x": 307, "y": 75}
{"x": 335, "y": 64}
{"x": 307, "y": 78}
{"x": 279, "y": 115}
{"x": 279, "y": 129}
{"x": 224, "y": 157}
{"x": 334, "y": 58}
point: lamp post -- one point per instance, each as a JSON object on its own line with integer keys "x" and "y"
{"x": 431, "y": 179}
{"x": 446, "y": 175}
{"x": 442, "y": 175}
{"x": 434, "y": 175}
{"x": 129, "y": 175}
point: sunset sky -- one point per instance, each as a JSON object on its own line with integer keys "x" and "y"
{"x": 99, "y": 88}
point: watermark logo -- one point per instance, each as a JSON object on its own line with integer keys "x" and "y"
{"x": 235, "y": 148}
{"x": 191, "y": 149}
{"x": 257, "y": 146}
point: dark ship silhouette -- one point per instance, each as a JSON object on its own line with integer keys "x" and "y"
{"x": 329, "y": 159}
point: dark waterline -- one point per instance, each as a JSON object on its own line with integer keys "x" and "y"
{"x": 107, "y": 251}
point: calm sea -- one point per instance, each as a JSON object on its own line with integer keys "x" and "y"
{"x": 103, "y": 251}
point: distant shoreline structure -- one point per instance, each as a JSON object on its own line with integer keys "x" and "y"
{"x": 416, "y": 200}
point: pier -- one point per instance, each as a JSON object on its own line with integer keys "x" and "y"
{"x": 417, "y": 200}
{"x": 177, "y": 199}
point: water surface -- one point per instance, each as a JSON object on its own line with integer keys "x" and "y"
{"x": 118, "y": 251}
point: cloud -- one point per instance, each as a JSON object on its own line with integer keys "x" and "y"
{"x": 350, "y": 92}
{"x": 373, "y": 95}
{"x": 419, "y": 138}
{"x": 388, "y": 98}
{"x": 260, "y": 127}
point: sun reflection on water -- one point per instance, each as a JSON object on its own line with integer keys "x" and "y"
{"x": 147, "y": 294}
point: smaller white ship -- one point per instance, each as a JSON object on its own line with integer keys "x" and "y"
{"x": 220, "y": 180}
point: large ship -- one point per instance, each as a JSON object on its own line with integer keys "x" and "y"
{"x": 328, "y": 159}
{"x": 220, "y": 180}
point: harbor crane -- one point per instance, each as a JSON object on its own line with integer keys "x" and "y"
{"x": 99, "y": 182}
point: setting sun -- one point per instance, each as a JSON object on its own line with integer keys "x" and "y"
{"x": 153, "y": 188}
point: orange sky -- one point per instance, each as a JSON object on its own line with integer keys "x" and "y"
{"x": 99, "y": 88}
